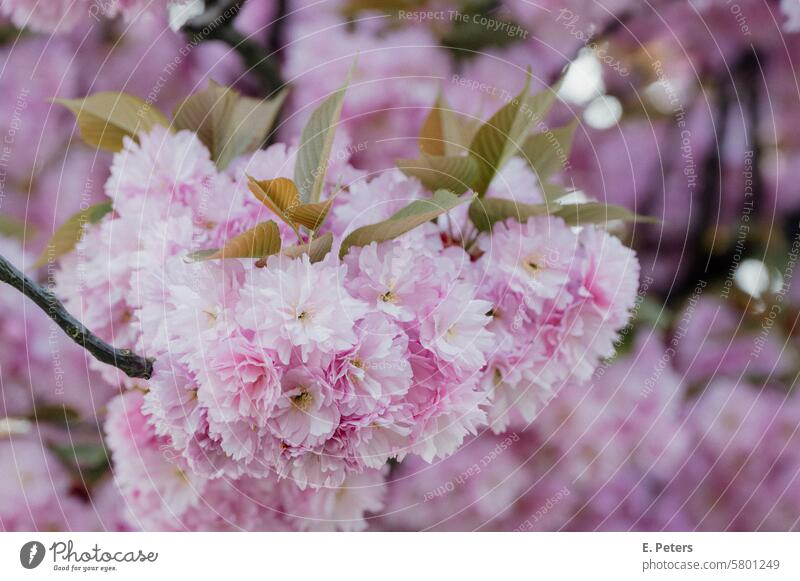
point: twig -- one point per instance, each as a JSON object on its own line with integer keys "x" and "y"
{"x": 123, "y": 359}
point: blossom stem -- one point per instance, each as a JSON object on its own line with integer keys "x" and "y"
{"x": 123, "y": 359}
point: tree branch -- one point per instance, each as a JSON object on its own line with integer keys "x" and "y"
{"x": 123, "y": 359}
{"x": 216, "y": 23}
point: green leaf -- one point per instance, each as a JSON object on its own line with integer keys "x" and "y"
{"x": 13, "y": 228}
{"x": 54, "y": 414}
{"x": 260, "y": 241}
{"x": 415, "y": 214}
{"x": 455, "y": 173}
{"x": 317, "y": 250}
{"x": 316, "y": 143}
{"x": 501, "y": 137}
{"x": 445, "y": 132}
{"x": 227, "y": 123}
{"x": 553, "y": 192}
{"x": 597, "y": 213}
{"x": 67, "y": 236}
{"x": 485, "y": 212}
{"x": 82, "y": 455}
{"x": 548, "y": 152}
{"x": 104, "y": 119}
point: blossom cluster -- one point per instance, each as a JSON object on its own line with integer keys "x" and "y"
{"x": 633, "y": 449}
{"x": 445, "y": 378}
{"x": 315, "y": 373}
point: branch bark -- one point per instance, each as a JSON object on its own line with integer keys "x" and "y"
{"x": 125, "y": 360}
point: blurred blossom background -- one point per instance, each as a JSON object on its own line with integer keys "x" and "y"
{"x": 686, "y": 110}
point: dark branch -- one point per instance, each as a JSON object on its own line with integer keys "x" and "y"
{"x": 613, "y": 25}
{"x": 275, "y": 32}
{"x": 123, "y": 359}
{"x": 216, "y": 23}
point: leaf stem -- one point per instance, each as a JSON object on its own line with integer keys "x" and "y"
{"x": 125, "y": 360}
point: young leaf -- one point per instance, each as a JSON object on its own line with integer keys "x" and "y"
{"x": 260, "y": 241}
{"x": 316, "y": 143}
{"x": 104, "y": 119}
{"x": 281, "y": 196}
{"x": 227, "y": 123}
{"x": 501, "y": 137}
{"x": 456, "y": 173}
{"x": 415, "y": 214}
{"x": 445, "y": 132}
{"x": 67, "y": 236}
{"x": 311, "y": 215}
{"x": 548, "y": 152}
{"x": 485, "y": 212}
{"x": 317, "y": 250}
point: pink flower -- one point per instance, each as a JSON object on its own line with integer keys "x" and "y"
{"x": 370, "y": 200}
{"x": 295, "y": 304}
{"x": 165, "y": 168}
{"x": 306, "y": 414}
{"x": 532, "y": 260}
{"x": 455, "y": 330}
{"x": 239, "y": 380}
{"x": 157, "y": 485}
{"x": 376, "y": 371}
{"x": 393, "y": 278}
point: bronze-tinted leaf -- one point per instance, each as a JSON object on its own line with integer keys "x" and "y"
{"x": 415, "y": 214}
{"x": 280, "y": 195}
{"x": 67, "y": 236}
{"x": 311, "y": 215}
{"x": 260, "y": 241}
{"x": 456, "y": 173}
{"x": 105, "y": 119}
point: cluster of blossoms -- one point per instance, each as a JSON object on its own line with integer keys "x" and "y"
{"x": 565, "y": 470}
{"x": 282, "y": 389}
{"x": 632, "y": 450}
{"x": 317, "y": 373}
